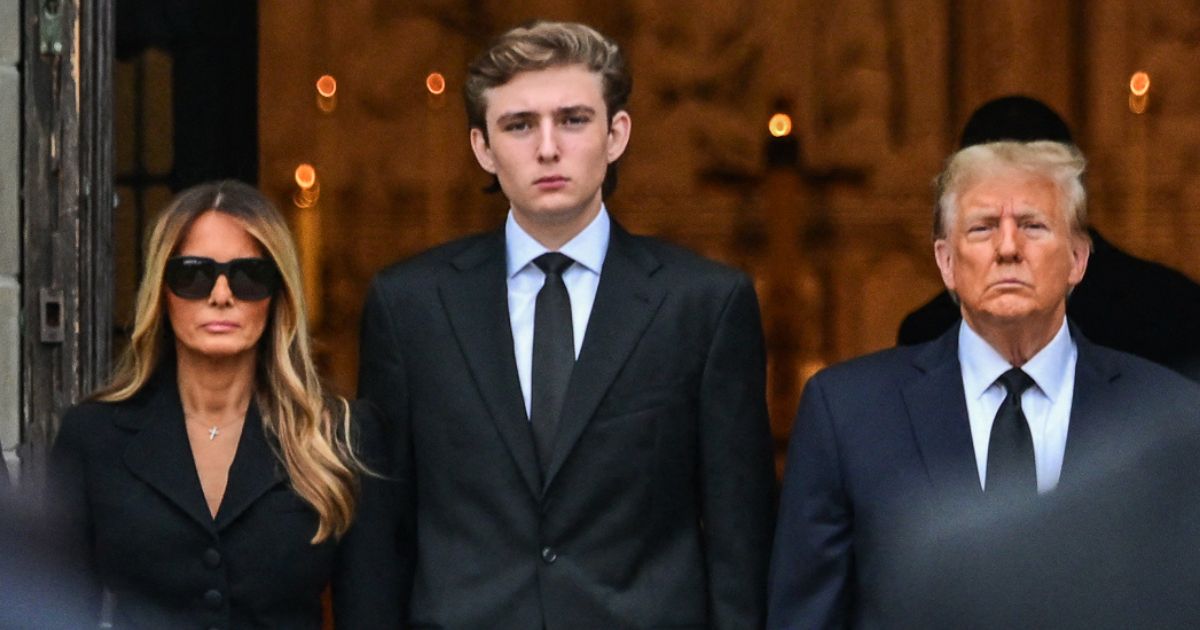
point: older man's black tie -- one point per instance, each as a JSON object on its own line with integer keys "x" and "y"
{"x": 1011, "y": 469}
{"x": 553, "y": 354}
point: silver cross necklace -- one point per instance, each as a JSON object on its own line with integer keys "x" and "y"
{"x": 213, "y": 430}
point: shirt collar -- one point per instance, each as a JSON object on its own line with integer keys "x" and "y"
{"x": 587, "y": 248}
{"x": 982, "y": 364}
{"x": 1049, "y": 367}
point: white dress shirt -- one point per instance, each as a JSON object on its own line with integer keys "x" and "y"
{"x": 1047, "y": 404}
{"x": 525, "y": 279}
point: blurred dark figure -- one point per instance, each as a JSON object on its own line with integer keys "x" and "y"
{"x": 1124, "y": 302}
{"x": 1116, "y": 550}
{"x": 37, "y": 590}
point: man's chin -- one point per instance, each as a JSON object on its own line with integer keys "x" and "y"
{"x": 554, "y": 214}
{"x": 1008, "y": 312}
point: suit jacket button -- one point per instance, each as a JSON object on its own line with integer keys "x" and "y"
{"x": 548, "y": 555}
{"x": 212, "y": 558}
{"x": 213, "y": 598}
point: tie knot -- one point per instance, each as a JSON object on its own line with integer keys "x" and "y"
{"x": 1016, "y": 381}
{"x": 553, "y": 263}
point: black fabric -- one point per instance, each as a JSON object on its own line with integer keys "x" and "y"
{"x": 1015, "y": 117}
{"x": 553, "y": 354}
{"x": 1011, "y": 467}
{"x": 131, "y": 519}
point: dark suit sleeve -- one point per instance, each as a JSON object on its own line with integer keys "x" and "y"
{"x": 737, "y": 478}
{"x": 812, "y": 558}
{"x": 382, "y": 380}
{"x": 366, "y": 581}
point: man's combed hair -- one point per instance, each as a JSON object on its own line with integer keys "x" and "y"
{"x": 1057, "y": 162}
{"x": 541, "y": 45}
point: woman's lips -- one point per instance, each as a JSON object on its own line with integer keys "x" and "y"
{"x": 220, "y": 326}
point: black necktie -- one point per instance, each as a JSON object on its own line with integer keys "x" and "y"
{"x": 1011, "y": 468}
{"x": 553, "y": 354}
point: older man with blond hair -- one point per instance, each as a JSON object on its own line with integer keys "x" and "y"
{"x": 1003, "y": 407}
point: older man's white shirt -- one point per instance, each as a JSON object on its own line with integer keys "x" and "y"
{"x": 1047, "y": 405}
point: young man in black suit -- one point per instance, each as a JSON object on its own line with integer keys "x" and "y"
{"x": 578, "y": 414}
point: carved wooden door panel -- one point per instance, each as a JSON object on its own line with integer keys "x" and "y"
{"x": 67, "y": 210}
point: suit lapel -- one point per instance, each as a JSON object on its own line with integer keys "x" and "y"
{"x": 626, "y": 300}
{"x": 159, "y": 454}
{"x": 253, "y": 472}
{"x": 476, "y": 302}
{"x": 937, "y": 408}
{"x": 1092, "y": 415}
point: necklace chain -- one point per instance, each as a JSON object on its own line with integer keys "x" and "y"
{"x": 213, "y": 430}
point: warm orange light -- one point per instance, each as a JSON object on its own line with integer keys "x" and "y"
{"x": 326, "y": 85}
{"x": 435, "y": 83}
{"x": 1139, "y": 83}
{"x": 306, "y": 176}
{"x": 1138, "y": 104}
{"x": 306, "y": 198}
{"x": 780, "y": 125}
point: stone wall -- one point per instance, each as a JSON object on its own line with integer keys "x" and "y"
{"x": 10, "y": 229}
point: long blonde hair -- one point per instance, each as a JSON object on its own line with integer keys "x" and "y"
{"x": 312, "y": 431}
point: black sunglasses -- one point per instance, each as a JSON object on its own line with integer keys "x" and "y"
{"x": 250, "y": 279}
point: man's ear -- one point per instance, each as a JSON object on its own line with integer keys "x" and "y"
{"x": 942, "y": 254}
{"x": 1081, "y": 251}
{"x": 618, "y": 135}
{"x": 483, "y": 152}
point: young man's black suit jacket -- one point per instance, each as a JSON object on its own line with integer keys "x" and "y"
{"x": 131, "y": 518}
{"x": 882, "y": 442}
{"x": 656, "y": 509}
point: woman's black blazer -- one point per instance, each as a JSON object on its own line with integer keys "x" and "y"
{"x": 132, "y": 513}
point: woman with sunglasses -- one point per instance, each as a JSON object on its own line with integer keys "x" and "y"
{"x": 213, "y": 483}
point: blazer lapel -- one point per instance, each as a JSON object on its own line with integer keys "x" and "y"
{"x": 254, "y": 471}
{"x": 159, "y": 454}
{"x": 476, "y": 302}
{"x": 626, "y": 300}
{"x": 937, "y": 408}
{"x": 1092, "y": 412}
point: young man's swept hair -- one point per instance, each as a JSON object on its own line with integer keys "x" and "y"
{"x": 540, "y": 45}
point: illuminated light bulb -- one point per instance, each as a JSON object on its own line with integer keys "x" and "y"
{"x": 327, "y": 93}
{"x": 306, "y": 176}
{"x": 326, "y": 86}
{"x": 435, "y": 83}
{"x": 780, "y": 125}
{"x": 309, "y": 189}
{"x": 1139, "y": 83}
